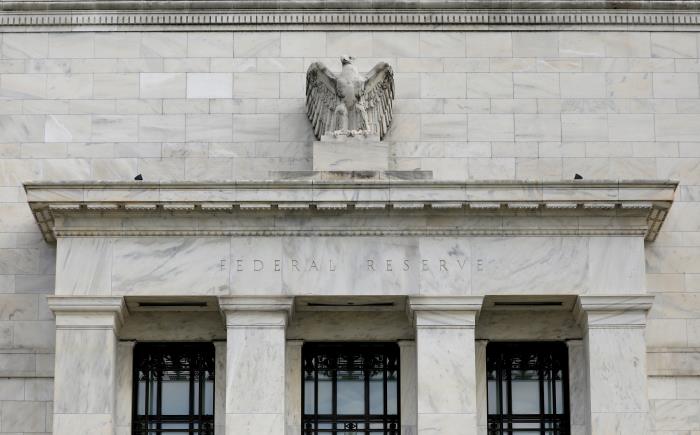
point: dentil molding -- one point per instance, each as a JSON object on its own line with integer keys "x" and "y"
{"x": 343, "y": 208}
{"x": 62, "y": 15}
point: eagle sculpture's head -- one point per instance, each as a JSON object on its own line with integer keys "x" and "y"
{"x": 345, "y": 59}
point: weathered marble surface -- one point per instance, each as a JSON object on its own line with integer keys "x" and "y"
{"x": 616, "y": 353}
{"x": 351, "y": 154}
{"x": 255, "y": 405}
{"x": 86, "y": 364}
{"x": 389, "y": 265}
{"x": 445, "y": 364}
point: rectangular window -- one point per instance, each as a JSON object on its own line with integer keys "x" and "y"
{"x": 528, "y": 388}
{"x": 173, "y": 389}
{"x": 350, "y": 388}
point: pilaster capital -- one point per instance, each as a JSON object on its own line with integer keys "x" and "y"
{"x": 612, "y": 311}
{"x": 256, "y": 311}
{"x": 444, "y": 312}
{"x": 88, "y": 312}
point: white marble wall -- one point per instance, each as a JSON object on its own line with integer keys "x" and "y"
{"x": 110, "y": 105}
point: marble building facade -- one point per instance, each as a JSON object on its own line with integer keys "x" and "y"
{"x": 476, "y": 234}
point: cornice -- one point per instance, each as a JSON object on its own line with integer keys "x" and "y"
{"x": 641, "y": 207}
{"x": 62, "y": 15}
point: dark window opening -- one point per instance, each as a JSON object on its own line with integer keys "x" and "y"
{"x": 350, "y": 389}
{"x": 528, "y": 388}
{"x": 173, "y": 389}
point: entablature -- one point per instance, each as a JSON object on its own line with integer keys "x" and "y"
{"x": 176, "y": 15}
{"x": 394, "y": 207}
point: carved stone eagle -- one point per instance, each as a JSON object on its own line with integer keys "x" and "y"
{"x": 349, "y": 103}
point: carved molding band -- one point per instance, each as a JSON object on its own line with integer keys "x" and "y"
{"x": 305, "y": 14}
{"x": 636, "y": 208}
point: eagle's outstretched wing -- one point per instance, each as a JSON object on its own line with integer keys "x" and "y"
{"x": 378, "y": 98}
{"x": 321, "y": 97}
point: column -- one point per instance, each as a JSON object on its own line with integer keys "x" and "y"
{"x": 409, "y": 406}
{"x": 482, "y": 411}
{"x": 125, "y": 387}
{"x": 615, "y": 349}
{"x": 220, "y": 388}
{"x": 446, "y": 364}
{"x": 293, "y": 387}
{"x": 86, "y": 364}
{"x": 255, "y": 364}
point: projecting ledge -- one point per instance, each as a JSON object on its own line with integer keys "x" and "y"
{"x": 629, "y": 207}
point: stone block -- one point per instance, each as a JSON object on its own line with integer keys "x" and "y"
{"x": 630, "y": 127}
{"x": 21, "y": 128}
{"x": 584, "y": 127}
{"x": 489, "y": 85}
{"x": 676, "y": 85}
{"x": 161, "y": 128}
{"x": 210, "y": 44}
{"x": 530, "y": 85}
{"x": 115, "y": 128}
{"x": 67, "y": 128}
{"x": 399, "y": 44}
{"x": 24, "y": 46}
{"x": 627, "y": 44}
{"x": 489, "y": 44}
{"x": 209, "y": 127}
{"x": 490, "y": 127}
{"x": 120, "y": 86}
{"x": 71, "y": 45}
{"x": 209, "y": 85}
{"x": 23, "y": 86}
{"x": 163, "y": 85}
{"x": 69, "y": 86}
{"x": 581, "y": 44}
{"x": 442, "y": 44}
{"x": 535, "y": 44}
{"x": 443, "y": 85}
{"x": 674, "y": 44}
{"x": 445, "y": 127}
{"x": 256, "y": 85}
{"x": 582, "y": 85}
{"x": 540, "y": 128}
{"x": 628, "y": 85}
{"x": 256, "y": 44}
{"x": 163, "y": 44}
{"x": 118, "y": 44}
{"x": 677, "y": 127}
{"x": 350, "y": 154}
{"x": 25, "y": 416}
{"x": 305, "y": 44}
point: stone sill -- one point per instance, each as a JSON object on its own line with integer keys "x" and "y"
{"x": 389, "y": 198}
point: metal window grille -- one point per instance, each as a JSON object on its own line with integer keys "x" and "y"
{"x": 528, "y": 388}
{"x": 173, "y": 389}
{"x": 350, "y": 389}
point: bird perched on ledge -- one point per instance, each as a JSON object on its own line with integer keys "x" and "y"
{"x": 349, "y": 104}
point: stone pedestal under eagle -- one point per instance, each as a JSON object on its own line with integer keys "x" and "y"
{"x": 349, "y": 103}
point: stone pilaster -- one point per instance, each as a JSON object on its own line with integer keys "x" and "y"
{"x": 293, "y": 387}
{"x": 255, "y": 364}
{"x": 409, "y": 406}
{"x": 446, "y": 364}
{"x": 85, "y": 382}
{"x": 220, "y": 388}
{"x": 125, "y": 387}
{"x": 615, "y": 349}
